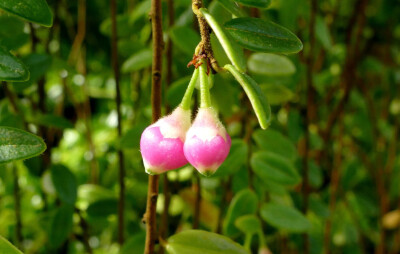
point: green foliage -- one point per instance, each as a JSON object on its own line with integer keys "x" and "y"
{"x": 7, "y": 247}
{"x": 17, "y": 144}
{"x": 65, "y": 183}
{"x": 255, "y": 3}
{"x": 36, "y": 11}
{"x": 198, "y": 241}
{"x": 11, "y": 68}
{"x": 264, "y": 36}
{"x": 61, "y": 225}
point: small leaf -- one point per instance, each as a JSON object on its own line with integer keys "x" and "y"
{"x": 16, "y": 144}
{"x": 7, "y": 247}
{"x": 232, "y": 7}
{"x": 275, "y": 142}
{"x": 11, "y": 68}
{"x": 61, "y": 225}
{"x": 245, "y": 202}
{"x": 322, "y": 33}
{"x": 138, "y": 61}
{"x": 36, "y": 11}
{"x": 248, "y": 224}
{"x": 65, "y": 183}
{"x": 255, "y": 95}
{"x": 270, "y": 64}
{"x": 236, "y": 159}
{"x": 285, "y": 218}
{"x": 263, "y": 35}
{"x": 199, "y": 241}
{"x": 277, "y": 94}
{"x": 38, "y": 64}
{"x": 185, "y": 38}
{"x": 234, "y": 53}
{"x": 49, "y": 120}
{"x": 255, "y": 3}
{"x": 103, "y": 207}
{"x": 272, "y": 167}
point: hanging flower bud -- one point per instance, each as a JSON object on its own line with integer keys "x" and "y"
{"x": 207, "y": 142}
{"x": 161, "y": 143}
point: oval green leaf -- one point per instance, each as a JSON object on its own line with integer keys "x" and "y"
{"x": 249, "y": 224}
{"x": 255, "y": 3}
{"x": 263, "y": 35}
{"x": 36, "y": 11}
{"x": 138, "y": 61}
{"x": 277, "y": 94}
{"x": 185, "y": 38}
{"x": 256, "y": 96}
{"x": 232, "y": 7}
{"x": 236, "y": 159}
{"x": 7, "y": 247}
{"x": 232, "y": 50}
{"x": 285, "y": 218}
{"x": 16, "y": 144}
{"x": 199, "y": 241}
{"x": 61, "y": 226}
{"x": 65, "y": 183}
{"x": 272, "y": 167}
{"x": 50, "y": 120}
{"x": 275, "y": 142}
{"x": 11, "y": 68}
{"x": 245, "y": 202}
{"x": 271, "y": 65}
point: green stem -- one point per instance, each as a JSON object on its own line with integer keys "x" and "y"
{"x": 204, "y": 88}
{"x": 261, "y": 239}
{"x": 187, "y": 98}
{"x": 247, "y": 241}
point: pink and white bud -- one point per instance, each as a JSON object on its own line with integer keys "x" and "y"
{"x": 162, "y": 143}
{"x": 207, "y": 142}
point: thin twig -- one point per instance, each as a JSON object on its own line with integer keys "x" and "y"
{"x": 152, "y": 193}
{"x": 114, "y": 56}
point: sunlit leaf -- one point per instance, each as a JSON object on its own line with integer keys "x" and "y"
{"x": 16, "y": 144}
{"x": 270, "y": 64}
{"x": 248, "y": 224}
{"x": 7, "y": 247}
{"x": 36, "y": 11}
{"x": 263, "y": 35}
{"x": 198, "y": 241}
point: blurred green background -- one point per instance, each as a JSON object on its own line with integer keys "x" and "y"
{"x": 323, "y": 178}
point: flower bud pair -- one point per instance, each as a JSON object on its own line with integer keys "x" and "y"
{"x": 171, "y": 142}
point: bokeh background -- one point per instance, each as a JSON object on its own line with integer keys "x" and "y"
{"x": 324, "y": 178}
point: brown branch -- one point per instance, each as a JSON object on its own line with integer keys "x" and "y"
{"x": 205, "y": 44}
{"x": 152, "y": 193}
{"x": 309, "y": 116}
{"x": 114, "y": 58}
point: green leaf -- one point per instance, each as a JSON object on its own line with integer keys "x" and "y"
{"x": 270, "y": 64}
{"x": 275, "y": 142}
{"x": 65, "y": 183}
{"x": 138, "y": 61}
{"x": 134, "y": 244}
{"x": 38, "y": 64}
{"x": 11, "y": 68}
{"x": 245, "y": 202}
{"x": 322, "y": 33}
{"x": 255, "y": 95}
{"x": 176, "y": 91}
{"x": 61, "y": 225}
{"x": 234, "y": 53}
{"x": 12, "y": 34}
{"x": 236, "y": 159}
{"x": 263, "y": 35}
{"x": 272, "y": 167}
{"x": 255, "y": 3}
{"x": 199, "y": 241}
{"x": 49, "y": 120}
{"x": 16, "y": 144}
{"x": 185, "y": 38}
{"x": 36, "y": 11}
{"x": 232, "y": 7}
{"x": 103, "y": 207}
{"x": 7, "y": 247}
{"x": 131, "y": 139}
{"x": 248, "y": 224}
{"x": 277, "y": 94}
{"x": 285, "y": 218}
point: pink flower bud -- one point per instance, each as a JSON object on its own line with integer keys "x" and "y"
{"x": 161, "y": 143}
{"x": 207, "y": 142}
